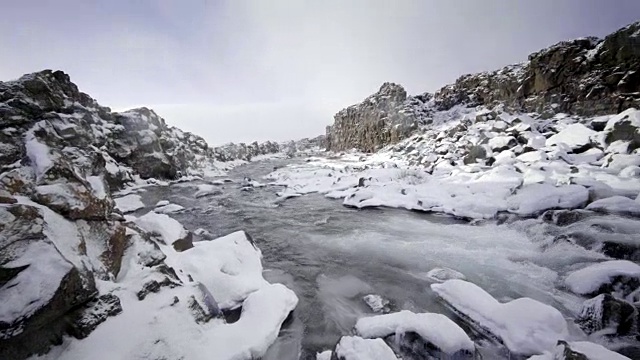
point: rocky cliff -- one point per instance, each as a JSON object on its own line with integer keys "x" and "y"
{"x": 62, "y": 155}
{"x": 584, "y": 77}
{"x": 382, "y": 118}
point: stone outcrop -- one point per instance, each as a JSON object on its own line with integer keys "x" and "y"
{"x": 45, "y": 120}
{"x": 61, "y": 156}
{"x": 244, "y": 151}
{"x": 585, "y": 77}
{"x": 383, "y": 118}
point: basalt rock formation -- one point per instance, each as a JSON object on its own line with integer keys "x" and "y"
{"x": 585, "y": 77}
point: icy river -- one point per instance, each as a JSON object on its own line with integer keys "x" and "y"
{"x": 332, "y": 256}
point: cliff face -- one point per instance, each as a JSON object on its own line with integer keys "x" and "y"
{"x": 384, "y": 117}
{"x": 585, "y": 77}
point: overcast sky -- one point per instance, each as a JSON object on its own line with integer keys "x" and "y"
{"x": 240, "y": 70}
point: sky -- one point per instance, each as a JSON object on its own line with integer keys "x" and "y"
{"x": 242, "y": 70}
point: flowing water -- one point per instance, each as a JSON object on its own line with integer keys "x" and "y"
{"x": 332, "y": 256}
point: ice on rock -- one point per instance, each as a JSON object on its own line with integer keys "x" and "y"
{"x": 575, "y": 136}
{"x": 355, "y": 348}
{"x": 591, "y": 279}
{"x": 129, "y": 203}
{"x": 436, "y": 329}
{"x": 616, "y": 205}
{"x": 524, "y": 325}
{"x": 230, "y": 267}
{"x": 169, "y": 229}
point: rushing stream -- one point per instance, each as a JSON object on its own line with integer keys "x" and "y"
{"x": 332, "y": 256}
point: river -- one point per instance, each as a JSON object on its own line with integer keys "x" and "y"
{"x": 332, "y": 256}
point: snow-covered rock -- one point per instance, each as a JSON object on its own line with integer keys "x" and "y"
{"x": 524, "y": 325}
{"x": 129, "y": 203}
{"x": 575, "y": 136}
{"x": 583, "y": 350}
{"x": 170, "y": 231}
{"x": 441, "y": 336}
{"x": 355, "y": 348}
{"x": 614, "y": 275}
{"x": 616, "y": 205}
{"x": 535, "y": 198}
{"x": 229, "y": 266}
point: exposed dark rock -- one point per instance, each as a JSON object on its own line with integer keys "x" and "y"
{"x": 604, "y": 312}
{"x": 565, "y": 217}
{"x": 205, "y": 307}
{"x": 411, "y": 346}
{"x": 184, "y": 243}
{"x": 86, "y": 319}
{"x": 584, "y": 76}
{"x": 475, "y": 153}
{"x": 383, "y": 118}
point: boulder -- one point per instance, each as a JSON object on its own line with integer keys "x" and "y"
{"x": 39, "y": 285}
{"x": 383, "y": 118}
{"x": 87, "y": 318}
{"x": 605, "y": 312}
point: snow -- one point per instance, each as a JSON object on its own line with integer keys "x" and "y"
{"x": 616, "y": 205}
{"x": 589, "y": 279}
{"x": 97, "y": 186}
{"x": 263, "y": 313}
{"x": 38, "y": 153}
{"x": 129, "y": 203}
{"x": 168, "y": 229}
{"x": 159, "y": 327}
{"x": 575, "y": 136}
{"x": 436, "y": 329}
{"x": 525, "y": 326}
{"x": 355, "y": 348}
{"x": 535, "y": 198}
{"x": 533, "y": 156}
{"x": 230, "y": 267}
{"x": 500, "y": 142}
{"x": 32, "y": 288}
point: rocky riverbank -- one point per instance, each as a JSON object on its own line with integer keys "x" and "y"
{"x": 70, "y": 260}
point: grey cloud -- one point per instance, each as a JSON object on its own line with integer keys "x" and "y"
{"x": 241, "y": 70}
